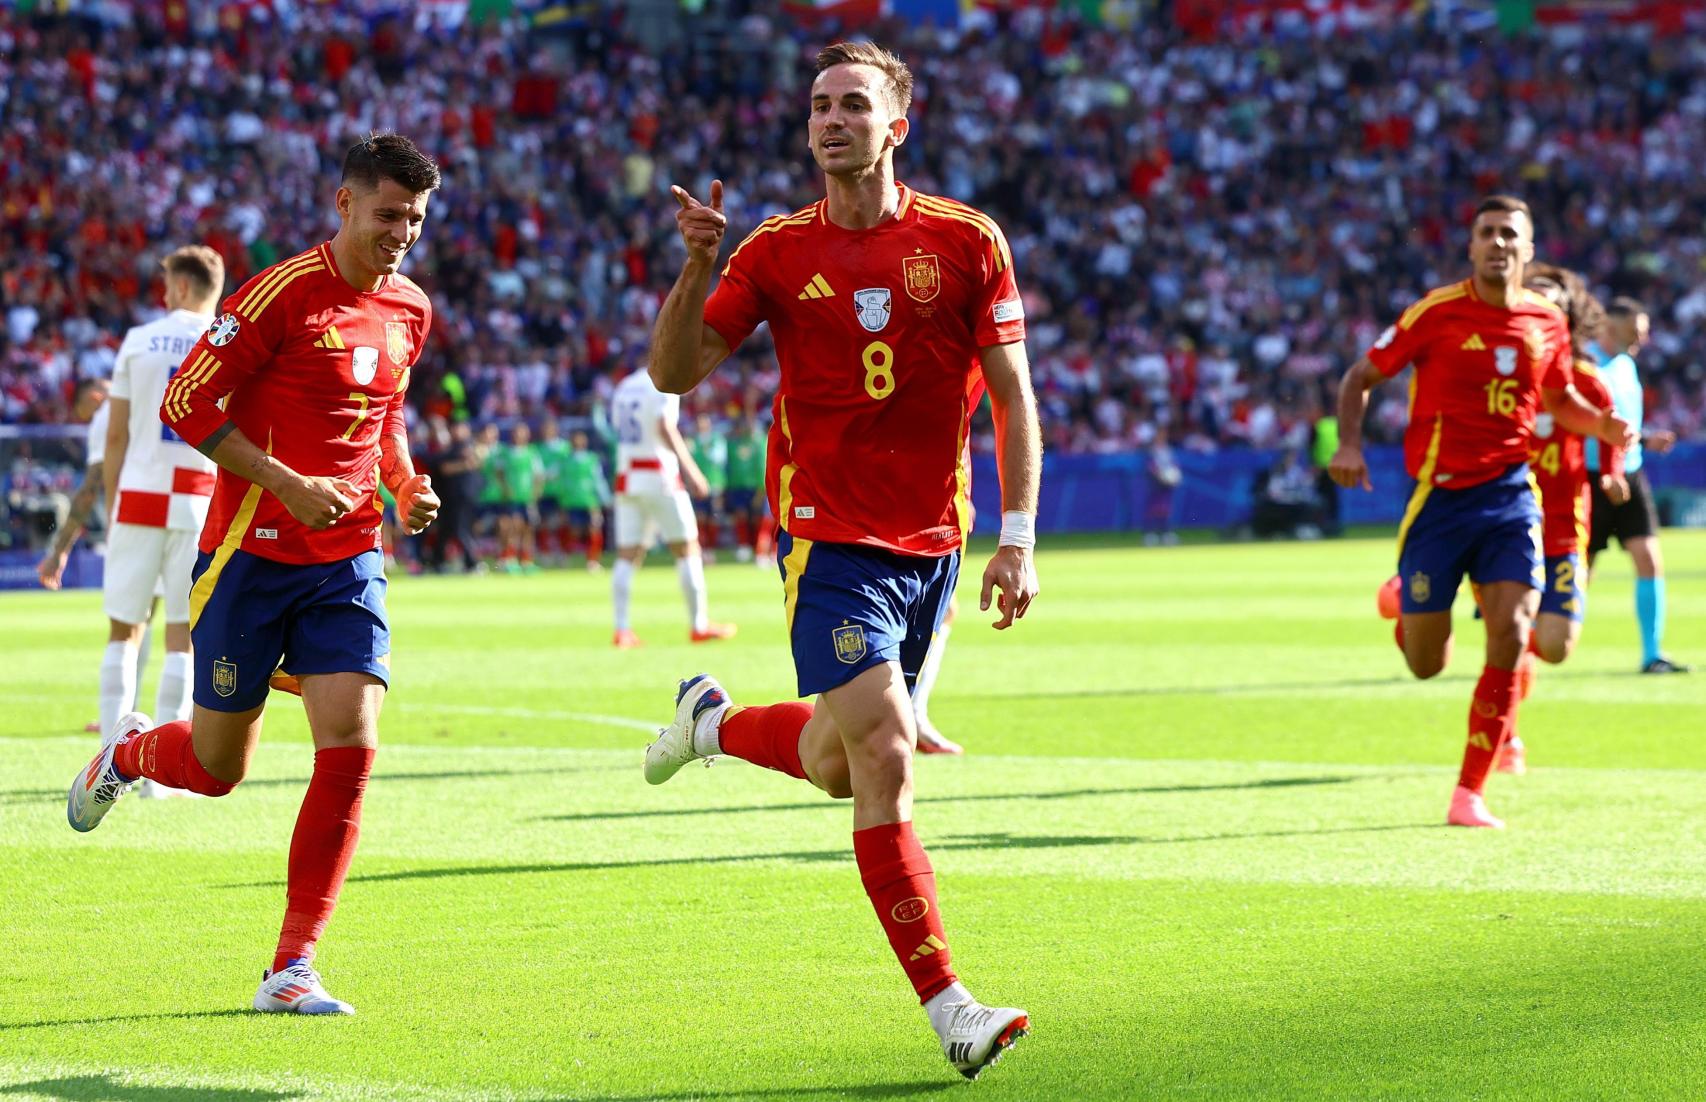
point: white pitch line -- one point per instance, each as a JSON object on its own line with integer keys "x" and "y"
{"x": 533, "y": 713}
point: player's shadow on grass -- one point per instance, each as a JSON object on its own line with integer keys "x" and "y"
{"x": 30, "y": 795}
{"x": 863, "y": 1090}
{"x": 51, "y": 1023}
{"x": 101, "y": 1088}
{"x": 1392, "y": 681}
{"x": 841, "y": 856}
{"x": 1067, "y": 794}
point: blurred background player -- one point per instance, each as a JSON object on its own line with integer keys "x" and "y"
{"x": 1555, "y": 459}
{"x": 655, "y": 473}
{"x": 890, "y": 310}
{"x": 1634, "y": 521}
{"x": 489, "y": 509}
{"x": 748, "y": 510}
{"x": 585, "y": 494}
{"x": 157, "y": 490}
{"x": 457, "y": 478}
{"x": 710, "y": 448}
{"x": 1487, "y": 354}
{"x": 521, "y": 479}
{"x": 553, "y": 533}
{"x": 312, "y": 358}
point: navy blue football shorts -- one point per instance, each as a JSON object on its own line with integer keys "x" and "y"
{"x": 1490, "y": 532}
{"x": 250, "y": 615}
{"x": 851, "y": 607}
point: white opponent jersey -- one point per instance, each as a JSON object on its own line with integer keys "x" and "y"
{"x": 96, "y": 441}
{"x": 645, "y": 463}
{"x": 164, "y": 483}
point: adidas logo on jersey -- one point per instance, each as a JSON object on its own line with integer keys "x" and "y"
{"x": 818, "y": 288}
{"x": 1474, "y": 344}
{"x": 330, "y": 339}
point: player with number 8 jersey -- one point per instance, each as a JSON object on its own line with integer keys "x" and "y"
{"x": 892, "y": 312}
{"x": 876, "y": 333}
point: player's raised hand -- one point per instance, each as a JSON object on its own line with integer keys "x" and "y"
{"x": 417, "y": 504}
{"x": 701, "y": 226}
{"x": 1349, "y": 469}
{"x": 1012, "y": 571}
{"x": 319, "y": 502}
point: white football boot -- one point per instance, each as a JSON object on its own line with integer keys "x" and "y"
{"x": 100, "y": 784}
{"x": 974, "y": 1036}
{"x": 699, "y": 704}
{"x": 296, "y": 989}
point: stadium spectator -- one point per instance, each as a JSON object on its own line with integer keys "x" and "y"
{"x": 1195, "y": 222}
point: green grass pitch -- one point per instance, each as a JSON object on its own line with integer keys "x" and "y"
{"x": 1198, "y": 837}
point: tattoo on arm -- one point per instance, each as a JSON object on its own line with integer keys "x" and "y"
{"x": 395, "y": 467}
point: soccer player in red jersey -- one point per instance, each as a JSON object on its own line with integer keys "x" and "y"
{"x": 891, "y": 311}
{"x": 1558, "y": 461}
{"x": 1487, "y": 354}
{"x": 311, "y": 359}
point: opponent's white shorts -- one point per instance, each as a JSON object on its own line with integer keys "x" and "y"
{"x": 143, "y": 562}
{"x": 641, "y": 519}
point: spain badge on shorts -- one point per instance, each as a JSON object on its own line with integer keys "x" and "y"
{"x": 224, "y": 677}
{"x": 849, "y": 643}
{"x": 397, "y": 342}
{"x": 923, "y": 276}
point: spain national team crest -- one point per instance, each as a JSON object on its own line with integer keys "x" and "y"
{"x": 849, "y": 643}
{"x": 1421, "y": 588}
{"x": 224, "y": 677}
{"x": 364, "y": 363}
{"x": 1536, "y": 343}
{"x": 923, "y": 276}
{"x": 872, "y": 307}
{"x": 397, "y": 342}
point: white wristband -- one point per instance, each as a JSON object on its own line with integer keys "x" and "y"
{"x": 1018, "y": 530}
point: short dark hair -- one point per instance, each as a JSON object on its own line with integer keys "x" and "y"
{"x": 204, "y": 268}
{"x": 899, "y": 84}
{"x": 1508, "y": 204}
{"x": 389, "y": 157}
{"x": 1623, "y": 306}
{"x": 84, "y": 386}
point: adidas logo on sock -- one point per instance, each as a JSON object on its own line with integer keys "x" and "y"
{"x": 932, "y": 945}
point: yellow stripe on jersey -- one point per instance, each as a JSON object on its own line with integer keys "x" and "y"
{"x": 906, "y": 196}
{"x": 1582, "y": 526}
{"x": 185, "y": 383}
{"x": 931, "y": 205}
{"x": 962, "y": 485}
{"x": 1587, "y": 367}
{"x": 1432, "y": 299}
{"x": 1424, "y": 485}
{"x": 174, "y": 389}
{"x": 771, "y": 225}
{"x": 203, "y": 589}
{"x": 278, "y": 273}
{"x": 281, "y": 285}
{"x": 793, "y": 567}
{"x": 785, "y": 480}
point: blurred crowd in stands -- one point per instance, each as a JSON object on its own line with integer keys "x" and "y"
{"x": 1207, "y": 231}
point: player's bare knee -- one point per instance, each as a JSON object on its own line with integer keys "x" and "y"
{"x": 1425, "y": 666}
{"x": 121, "y": 632}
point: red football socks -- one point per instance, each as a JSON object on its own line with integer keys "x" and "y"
{"x": 902, "y": 887}
{"x": 595, "y": 545}
{"x": 1492, "y": 717}
{"x": 768, "y": 736}
{"x": 165, "y": 754}
{"x": 321, "y": 848}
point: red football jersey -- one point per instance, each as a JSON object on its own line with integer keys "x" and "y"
{"x": 1558, "y": 459}
{"x": 877, "y": 333}
{"x": 1479, "y": 370}
{"x": 313, "y": 371}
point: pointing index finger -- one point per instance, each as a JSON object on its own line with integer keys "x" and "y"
{"x": 687, "y": 201}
